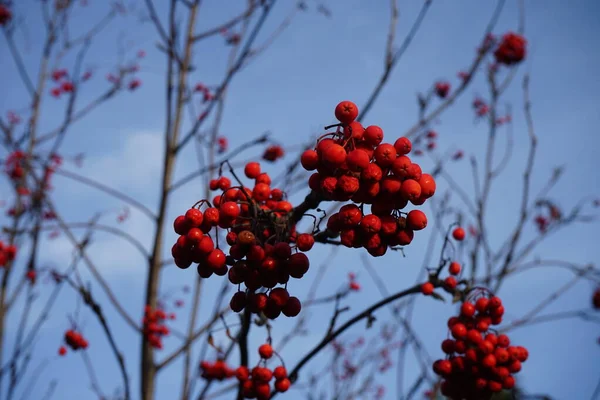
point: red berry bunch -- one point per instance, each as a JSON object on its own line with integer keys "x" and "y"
{"x": 479, "y": 362}
{"x": 222, "y": 144}
{"x": 442, "y": 89}
{"x": 264, "y": 251}
{"x": 206, "y": 94}
{"x": 353, "y": 285}
{"x": 7, "y": 253}
{"x": 5, "y": 14}
{"x": 14, "y": 165}
{"x": 511, "y": 50}
{"x": 450, "y": 282}
{"x": 273, "y": 153}
{"x": 218, "y": 370}
{"x": 154, "y": 327}
{"x": 75, "y": 340}
{"x": 256, "y": 381}
{"x": 354, "y": 164}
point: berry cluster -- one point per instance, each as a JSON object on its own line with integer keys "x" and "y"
{"x": 255, "y": 383}
{"x": 14, "y": 165}
{"x": 206, "y": 93}
{"x": 430, "y": 137}
{"x": 7, "y": 253}
{"x": 478, "y": 363}
{"x": 75, "y": 340}
{"x": 154, "y": 328}
{"x": 353, "y": 163}
{"x": 480, "y": 107}
{"x": 218, "y": 370}
{"x": 511, "y": 50}
{"x": 264, "y": 248}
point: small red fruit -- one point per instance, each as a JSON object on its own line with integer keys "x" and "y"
{"x": 458, "y": 234}
{"x": 346, "y": 112}
{"x": 427, "y": 288}
{"x": 265, "y": 351}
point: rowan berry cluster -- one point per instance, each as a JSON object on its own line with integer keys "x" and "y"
{"x": 75, "y": 340}
{"x": 14, "y": 165}
{"x": 479, "y": 362}
{"x": 449, "y": 283}
{"x": 418, "y": 149}
{"x": 205, "y": 90}
{"x": 217, "y": 370}
{"x": 154, "y": 328}
{"x": 5, "y": 14}
{"x": 255, "y": 382}
{"x": 7, "y": 253}
{"x": 353, "y": 163}
{"x": 265, "y": 249}
{"x": 480, "y": 107}
{"x": 511, "y": 50}
{"x": 65, "y": 85}
{"x": 549, "y": 213}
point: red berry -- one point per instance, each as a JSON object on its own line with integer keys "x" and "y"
{"x": 282, "y": 385}
{"x": 346, "y": 112}
{"x": 292, "y": 307}
{"x": 252, "y": 170}
{"x": 458, "y": 234}
{"x": 427, "y": 288}
{"x": 454, "y": 268}
{"x": 416, "y": 220}
{"x": 265, "y": 351}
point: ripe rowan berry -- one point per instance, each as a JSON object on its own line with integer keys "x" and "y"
{"x": 385, "y": 154}
{"x": 459, "y": 330}
{"x": 373, "y": 135}
{"x": 467, "y": 309}
{"x": 265, "y": 351}
{"x": 305, "y": 241}
{"x": 458, "y": 234}
{"x": 292, "y": 307}
{"x": 280, "y": 372}
{"x": 252, "y": 170}
{"x": 403, "y": 146}
{"x": 346, "y": 112}
{"x": 450, "y": 283}
{"x": 354, "y": 130}
{"x": 454, "y": 268}
{"x": 427, "y": 288}
{"x": 282, "y": 385}
{"x": 416, "y": 220}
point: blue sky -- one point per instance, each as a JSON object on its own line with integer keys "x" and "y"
{"x": 291, "y": 90}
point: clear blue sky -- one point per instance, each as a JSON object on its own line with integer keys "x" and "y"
{"x": 292, "y": 90}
